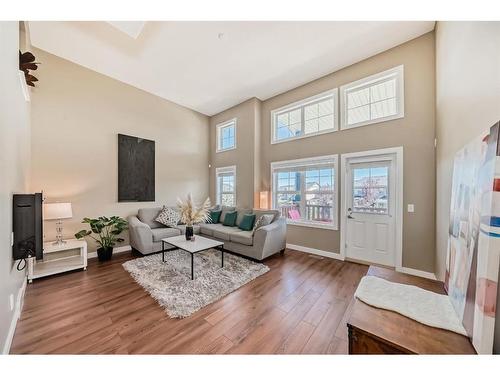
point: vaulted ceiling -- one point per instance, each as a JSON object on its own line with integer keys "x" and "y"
{"x": 211, "y": 66}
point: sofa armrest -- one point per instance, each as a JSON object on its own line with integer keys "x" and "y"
{"x": 141, "y": 236}
{"x": 271, "y": 238}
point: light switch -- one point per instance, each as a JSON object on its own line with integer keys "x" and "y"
{"x": 411, "y": 208}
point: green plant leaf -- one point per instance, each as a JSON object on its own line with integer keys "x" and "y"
{"x": 82, "y": 233}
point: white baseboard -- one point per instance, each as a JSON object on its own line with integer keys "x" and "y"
{"x": 15, "y": 317}
{"x": 310, "y": 250}
{"x": 116, "y": 250}
{"x": 328, "y": 254}
{"x": 414, "y": 272}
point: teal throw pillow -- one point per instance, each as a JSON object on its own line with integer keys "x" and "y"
{"x": 230, "y": 219}
{"x": 247, "y": 222}
{"x": 215, "y": 216}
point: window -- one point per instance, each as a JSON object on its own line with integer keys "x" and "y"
{"x": 373, "y": 99}
{"x": 311, "y": 116}
{"x": 226, "y": 186}
{"x": 370, "y": 188}
{"x": 226, "y": 136}
{"x": 305, "y": 191}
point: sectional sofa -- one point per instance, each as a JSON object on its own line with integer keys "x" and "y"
{"x": 146, "y": 234}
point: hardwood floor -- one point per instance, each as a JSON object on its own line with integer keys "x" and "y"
{"x": 300, "y": 306}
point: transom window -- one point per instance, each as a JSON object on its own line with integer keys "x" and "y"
{"x": 373, "y": 99}
{"x": 311, "y": 116}
{"x": 370, "y": 188}
{"x": 226, "y": 136}
{"x": 305, "y": 191}
{"x": 226, "y": 186}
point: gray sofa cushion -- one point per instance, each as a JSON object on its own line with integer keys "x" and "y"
{"x": 243, "y": 237}
{"x": 209, "y": 228}
{"x": 223, "y": 233}
{"x": 148, "y": 216}
{"x": 160, "y": 233}
{"x": 225, "y": 209}
{"x": 242, "y": 212}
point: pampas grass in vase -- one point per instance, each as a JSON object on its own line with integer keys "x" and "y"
{"x": 190, "y": 214}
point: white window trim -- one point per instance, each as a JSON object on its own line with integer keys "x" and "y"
{"x": 220, "y": 170}
{"x": 300, "y": 103}
{"x": 398, "y": 72}
{"x": 311, "y": 161}
{"x": 218, "y": 131}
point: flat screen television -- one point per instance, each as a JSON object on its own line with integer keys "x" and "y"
{"x": 27, "y": 226}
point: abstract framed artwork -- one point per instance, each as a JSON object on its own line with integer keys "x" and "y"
{"x": 473, "y": 257}
{"x": 136, "y": 169}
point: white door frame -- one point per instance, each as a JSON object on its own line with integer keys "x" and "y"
{"x": 398, "y": 211}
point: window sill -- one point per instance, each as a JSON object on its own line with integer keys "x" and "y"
{"x": 226, "y": 149}
{"x": 333, "y": 226}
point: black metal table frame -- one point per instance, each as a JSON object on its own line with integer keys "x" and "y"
{"x": 163, "y": 251}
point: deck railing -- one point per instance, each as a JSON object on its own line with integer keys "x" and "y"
{"x": 313, "y": 212}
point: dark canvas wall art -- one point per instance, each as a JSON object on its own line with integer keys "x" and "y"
{"x": 136, "y": 169}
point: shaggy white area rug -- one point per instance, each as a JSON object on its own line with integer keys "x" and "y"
{"x": 170, "y": 284}
{"x": 425, "y": 307}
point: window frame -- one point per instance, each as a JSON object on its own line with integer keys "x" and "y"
{"x": 218, "y": 192}
{"x": 396, "y": 72}
{"x": 218, "y": 133}
{"x": 301, "y": 104}
{"x": 309, "y": 162}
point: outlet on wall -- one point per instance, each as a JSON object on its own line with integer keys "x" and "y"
{"x": 11, "y": 302}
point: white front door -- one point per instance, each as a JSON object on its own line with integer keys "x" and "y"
{"x": 370, "y": 192}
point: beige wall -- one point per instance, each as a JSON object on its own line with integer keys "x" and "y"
{"x": 415, "y": 132}
{"x": 246, "y": 155}
{"x": 76, "y": 116}
{"x": 14, "y": 165}
{"x": 468, "y": 102}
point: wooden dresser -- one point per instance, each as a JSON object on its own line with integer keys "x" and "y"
{"x": 378, "y": 331}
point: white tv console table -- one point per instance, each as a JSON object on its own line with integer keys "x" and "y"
{"x": 42, "y": 268}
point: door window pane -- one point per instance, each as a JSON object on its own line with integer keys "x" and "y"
{"x": 370, "y": 191}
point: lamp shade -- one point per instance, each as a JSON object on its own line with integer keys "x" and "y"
{"x": 57, "y": 211}
{"x": 264, "y": 199}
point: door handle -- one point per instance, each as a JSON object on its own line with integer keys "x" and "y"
{"x": 349, "y": 214}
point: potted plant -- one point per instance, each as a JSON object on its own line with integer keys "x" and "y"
{"x": 190, "y": 214}
{"x": 105, "y": 232}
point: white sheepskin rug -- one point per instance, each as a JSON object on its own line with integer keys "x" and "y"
{"x": 170, "y": 284}
{"x": 425, "y": 307}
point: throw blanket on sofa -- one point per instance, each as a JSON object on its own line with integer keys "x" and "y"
{"x": 425, "y": 307}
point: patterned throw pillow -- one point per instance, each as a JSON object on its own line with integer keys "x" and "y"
{"x": 263, "y": 221}
{"x": 168, "y": 216}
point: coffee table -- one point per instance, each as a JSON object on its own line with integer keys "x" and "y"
{"x": 192, "y": 247}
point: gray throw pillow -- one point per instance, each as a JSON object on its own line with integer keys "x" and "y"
{"x": 264, "y": 220}
{"x": 168, "y": 216}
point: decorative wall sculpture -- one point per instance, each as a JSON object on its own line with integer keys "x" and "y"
{"x": 136, "y": 169}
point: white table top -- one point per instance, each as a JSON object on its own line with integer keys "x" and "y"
{"x": 199, "y": 244}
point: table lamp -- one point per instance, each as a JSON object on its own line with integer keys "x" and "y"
{"x": 57, "y": 211}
